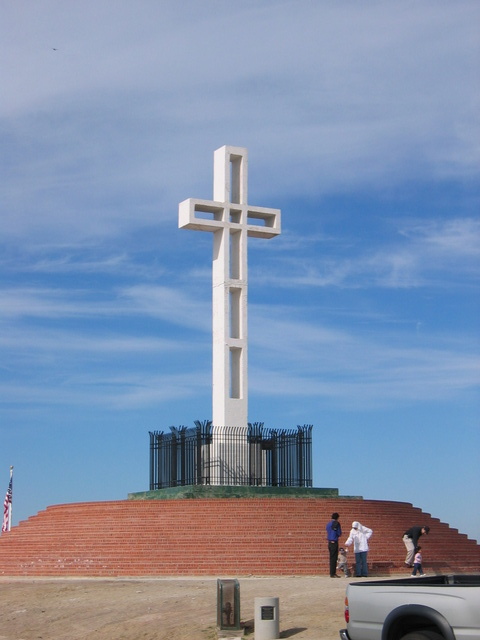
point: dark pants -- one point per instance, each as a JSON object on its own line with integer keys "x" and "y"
{"x": 333, "y": 551}
{"x": 361, "y": 568}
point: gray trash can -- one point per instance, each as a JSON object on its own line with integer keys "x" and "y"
{"x": 267, "y": 619}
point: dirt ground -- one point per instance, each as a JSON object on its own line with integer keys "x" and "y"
{"x": 162, "y": 608}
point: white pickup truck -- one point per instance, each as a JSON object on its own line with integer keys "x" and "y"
{"x": 444, "y": 607}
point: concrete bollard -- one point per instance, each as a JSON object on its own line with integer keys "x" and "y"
{"x": 267, "y": 619}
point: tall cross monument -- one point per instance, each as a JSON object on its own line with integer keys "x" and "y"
{"x": 231, "y": 220}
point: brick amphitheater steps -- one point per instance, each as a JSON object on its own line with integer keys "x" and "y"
{"x": 226, "y": 537}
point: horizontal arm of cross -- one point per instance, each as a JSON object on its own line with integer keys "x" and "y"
{"x": 271, "y": 219}
{"x": 220, "y": 215}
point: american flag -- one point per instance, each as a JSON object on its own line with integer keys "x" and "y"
{"x": 7, "y": 504}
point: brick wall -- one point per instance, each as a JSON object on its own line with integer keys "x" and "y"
{"x": 224, "y": 537}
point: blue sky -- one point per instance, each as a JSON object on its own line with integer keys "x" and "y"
{"x": 362, "y": 125}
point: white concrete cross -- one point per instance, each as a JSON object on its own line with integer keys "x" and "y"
{"x": 231, "y": 220}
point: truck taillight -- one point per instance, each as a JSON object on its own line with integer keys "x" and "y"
{"x": 347, "y": 612}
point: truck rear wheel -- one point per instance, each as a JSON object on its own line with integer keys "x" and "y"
{"x": 423, "y": 635}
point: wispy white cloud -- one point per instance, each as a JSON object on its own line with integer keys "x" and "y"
{"x": 72, "y": 343}
{"x": 117, "y": 392}
{"x": 437, "y": 253}
{"x": 103, "y": 136}
{"x": 425, "y": 253}
{"x": 305, "y": 360}
{"x": 161, "y": 302}
{"x": 351, "y": 370}
{"x": 454, "y": 238}
{"x": 170, "y": 305}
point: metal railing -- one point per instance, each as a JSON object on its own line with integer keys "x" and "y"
{"x": 253, "y": 456}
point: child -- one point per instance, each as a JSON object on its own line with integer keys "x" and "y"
{"x": 342, "y": 561}
{"x": 417, "y": 563}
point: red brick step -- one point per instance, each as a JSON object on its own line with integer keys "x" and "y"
{"x": 220, "y": 536}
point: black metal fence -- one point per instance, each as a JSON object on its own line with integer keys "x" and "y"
{"x": 252, "y": 455}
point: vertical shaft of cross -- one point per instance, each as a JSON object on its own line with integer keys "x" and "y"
{"x": 231, "y": 220}
{"x": 230, "y": 292}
